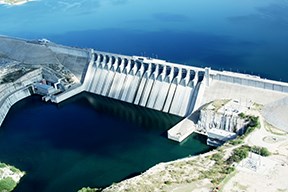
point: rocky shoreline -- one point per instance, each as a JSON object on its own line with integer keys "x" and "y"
{"x": 212, "y": 170}
{"x": 9, "y": 177}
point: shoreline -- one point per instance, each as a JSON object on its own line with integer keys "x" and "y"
{"x": 17, "y": 3}
{"x": 185, "y": 174}
{"x": 10, "y": 177}
{"x": 224, "y": 85}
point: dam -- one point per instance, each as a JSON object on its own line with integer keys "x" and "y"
{"x": 147, "y": 82}
{"x": 163, "y": 86}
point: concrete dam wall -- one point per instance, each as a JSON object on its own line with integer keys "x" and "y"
{"x": 153, "y": 83}
{"x": 146, "y": 82}
{"x": 248, "y": 80}
{"x": 11, "y": 100}
{"x": 11, "y": 93}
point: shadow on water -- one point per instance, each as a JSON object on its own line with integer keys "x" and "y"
{"x": 146, "y": 118}
{"x": 88, "y": 140}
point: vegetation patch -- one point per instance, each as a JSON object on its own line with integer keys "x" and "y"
{"x": 220, "y": 103}
{"x": 9, "y": 177}
{"x": 242, "y": 115}
{"x": 223, "y": 168}
{"x": 253, "y": 123}
{"x": 217, "y": 157}
{"x": 238, "y": 154}
{"x": 88, "y": 189}
{"x": 236, "y": 141}
{"x": 13, "y": 76}
{"x": 7, "y": 184}
{"x": 219, "y": 171}
{"x": 263, "y": 151}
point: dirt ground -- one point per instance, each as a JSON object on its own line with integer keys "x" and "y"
{"x": 254, "y": 173}
{"x": 261, "y": 174}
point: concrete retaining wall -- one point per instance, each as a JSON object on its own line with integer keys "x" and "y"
{"x": 11, "y": 100}
{"x": 14, "y": 92}
{"x": 252, "y": 81}
{"x": 77, "y": 88}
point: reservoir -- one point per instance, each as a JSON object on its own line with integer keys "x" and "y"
{"x": 93, "y": 141}
{"x": 87, "y": 140}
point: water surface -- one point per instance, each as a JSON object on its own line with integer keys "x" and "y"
{"x": 247, "y": 36}
{"x": 91, "y": 141}
{"x": 87, "y": 141}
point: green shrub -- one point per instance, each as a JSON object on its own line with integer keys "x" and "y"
{"x": 218, "y": 180}
{"x": 88, "y": 189}
{"x": 217, "y": 157}
{"x": 229, "y": 170}
{"x": 254, "y": 121}
{"x": 263, "y": 151}
{"x": 249, "y": 130}
{"x": 7, "y": 184}
{"x": 253, "y": 124}
{"x": 226, "y": 169}
{"x": 14, "y": 169}
{"x": 238, "y": 154}
{"x": 242, "y": 115}
{"x": 236, "y": 141}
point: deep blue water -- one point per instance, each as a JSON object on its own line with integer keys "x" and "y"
{"x": 91, "y": 141}
{"x": 246, "y": 36}
{"x": 87, "y": 141}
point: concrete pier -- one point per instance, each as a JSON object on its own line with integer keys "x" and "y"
{"x": 74, "y": 90}
{"x": 182, "y": 130}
